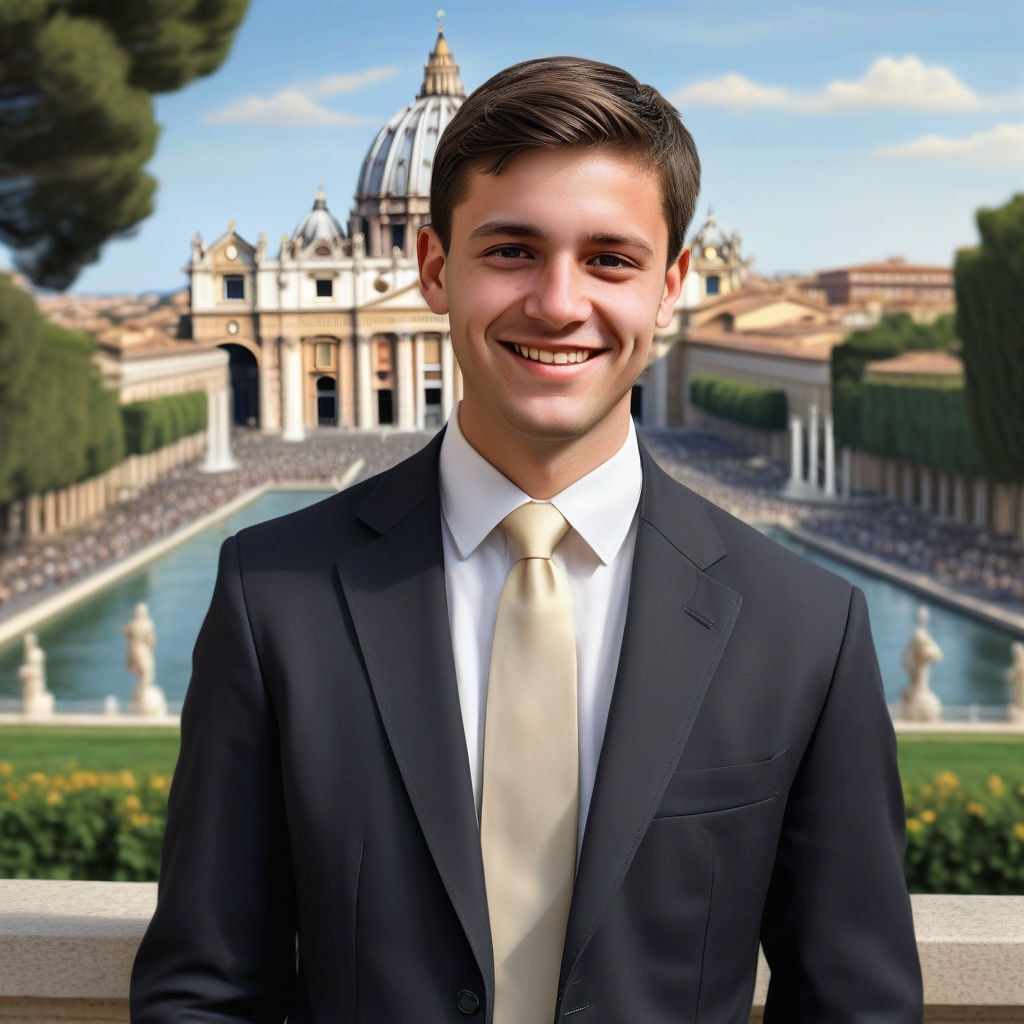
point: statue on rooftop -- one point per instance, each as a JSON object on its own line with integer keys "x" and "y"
{"x": 917, "y": 702}
{"x": 147, "y": 698}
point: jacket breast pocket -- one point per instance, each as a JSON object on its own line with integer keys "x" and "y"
{"x": 700, "y": 790}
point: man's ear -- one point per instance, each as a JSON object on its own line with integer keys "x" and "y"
{"x": 673, "y": 287}
{"x": 432, "y": 260}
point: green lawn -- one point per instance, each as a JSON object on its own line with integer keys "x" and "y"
{"x": 50, "y": 749}
{"x": 971, "y": 758}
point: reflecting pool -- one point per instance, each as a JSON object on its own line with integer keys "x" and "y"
{"x": 85, "y": 649}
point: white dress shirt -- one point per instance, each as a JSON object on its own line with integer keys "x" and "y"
{"x": 596, "y": 554}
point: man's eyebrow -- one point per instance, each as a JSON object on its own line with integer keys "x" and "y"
{"x": 510, "y": 229}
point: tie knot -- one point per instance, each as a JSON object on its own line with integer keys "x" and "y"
{"x": 535, "y": 529}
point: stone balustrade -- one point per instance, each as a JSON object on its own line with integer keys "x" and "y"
{"x": 66, "y": 951}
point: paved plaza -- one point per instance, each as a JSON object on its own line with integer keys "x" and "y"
{"x": 972, "y": 561}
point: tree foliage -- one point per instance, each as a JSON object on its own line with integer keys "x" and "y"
{"x": 749, "y": 404}
{"x": 990, "y": 320}
{"x": 58, "y": 424}
{"x": 76, "y": 116}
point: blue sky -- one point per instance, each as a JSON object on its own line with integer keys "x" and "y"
{"x": 830, "y": 133}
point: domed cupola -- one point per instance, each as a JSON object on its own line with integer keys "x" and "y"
{"x": 392, "y": 199}
{"x": 318, "y": 225}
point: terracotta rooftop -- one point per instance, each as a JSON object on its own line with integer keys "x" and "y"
{"x": 888, "y": 266}
{"x": 930, "y": 363}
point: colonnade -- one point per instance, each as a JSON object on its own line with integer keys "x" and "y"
{"x": 812, "y": 478}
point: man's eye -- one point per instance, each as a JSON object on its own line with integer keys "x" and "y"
{"x": 508, "y": 252}
{"x": 609, "y": 259}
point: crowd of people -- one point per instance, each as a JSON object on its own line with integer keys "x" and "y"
{"x": 972, "y": 560}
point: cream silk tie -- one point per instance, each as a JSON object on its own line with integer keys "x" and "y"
{"x": 529, "y": 814}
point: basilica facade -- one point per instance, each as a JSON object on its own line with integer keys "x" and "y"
{"x": 332, "y": 332}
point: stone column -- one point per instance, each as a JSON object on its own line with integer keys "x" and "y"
{"x": 33, "y": 506}
{"x": 405, "y": 384}
{"x": 366, "y": 415}
{"x": 218, "y": 433}
{"x": 657, "y": 406}
{"x": 924, "y": 477}
{"x": 846, "y": 474}
{"x": 908, "y": 484}
{"x": 292, "y": 426}
{"x": 270, "y": 390}
{"x": 50, "y": 512}
{"x": 346, "y": 384}
{"x": 980, "y": 503}
{"x": 959, "y": 500}
{"x": 830, "y": 457}
{"x": 812, "y": 447}
{"x": 942, "y": 496}
{"x": 796, "y": 450}
{"x": 447, "y": 375}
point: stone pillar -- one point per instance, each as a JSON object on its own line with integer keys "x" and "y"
{"x": 942, "y": 496}
{"x": 656, "y": 396}
{"x": 830, "y": 457}
{"x": 908, "y": 484}
{"x": 50, "y": 512}
{"x": 292, "y": 424}
{"x": 33, "y": 509}
{"x": 812, "y": 447}
{"x": 959, "y": 500}
{"x": 447, "y": 375}
{"x": 980, "y": 503}
{"x": 924, "y": 477}
{"x": 405, "y": 384}
{"x": 346, "y": 384}
{"x": 796, "y": 450}
{"x": 366, "y": 414}
{"x": 270, "y": 390}
{"x": 218, "y": 433}
{"x": 846, "y": 474}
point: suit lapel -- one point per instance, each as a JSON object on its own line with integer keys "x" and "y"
{"x": 677, "y": 623}
{"x": 395, "y": 589}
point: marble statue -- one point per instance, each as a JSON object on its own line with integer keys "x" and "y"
{"x": 147, "y": 698}
{"x": 36, "y": 700}
{"x": 1015, "y": 677}
{"x": 917, "y": 702}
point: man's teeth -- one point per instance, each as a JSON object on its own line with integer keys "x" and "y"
{"x": 541, "y": 355}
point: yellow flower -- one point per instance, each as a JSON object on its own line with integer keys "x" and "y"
{"x": 38, "y": 779}
{"x": 1018, "y": 831}
{"x": 926, "y": 789}
{"x": 995, "y": 785}
{"x": 6, "y": 769}
{"x": 946, "y": 780}
{"x": 53, "y": 797}
{"x": 132, "y": 802}
{"x": 913, "y": 825}
{"x": 928, "y": 816}
{"x": 974, "y": 809}
{"x": 140, "y": 820}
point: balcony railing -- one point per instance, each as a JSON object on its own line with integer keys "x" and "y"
{"x": 66, "y": 950}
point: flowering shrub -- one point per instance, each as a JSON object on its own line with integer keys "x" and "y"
{"x": 965, "y": 842}
{"x": 78, "y": 824}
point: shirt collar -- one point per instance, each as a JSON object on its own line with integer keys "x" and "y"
{"x": 475, "y": 496}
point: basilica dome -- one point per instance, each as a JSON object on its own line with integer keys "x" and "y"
{"x": 393, "y": 194}
{"x": 318, "y": 225}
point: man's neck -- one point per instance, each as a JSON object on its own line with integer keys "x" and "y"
{"x": 545, "y": 467}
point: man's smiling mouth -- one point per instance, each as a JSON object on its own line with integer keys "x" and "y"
{"x": 540, "y": 355}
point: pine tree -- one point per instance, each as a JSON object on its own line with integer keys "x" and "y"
{"x": 76, "y": 116}
{"x": 990, "y": 321}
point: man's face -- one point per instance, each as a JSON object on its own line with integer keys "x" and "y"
{"x": 554, "y": 281}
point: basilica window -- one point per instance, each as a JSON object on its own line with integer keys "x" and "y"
{"x": 324, "y": 288}
{"x": 234, "y": 286}
{"x": 713, "y": 284}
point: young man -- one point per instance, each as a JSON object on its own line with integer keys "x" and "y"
{"x": 360, "y": 770}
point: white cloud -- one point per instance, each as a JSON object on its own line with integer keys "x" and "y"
{"x": 906, "y": 84}
{"x": 1002, "y": 146}
{"x": 297, "y": 106}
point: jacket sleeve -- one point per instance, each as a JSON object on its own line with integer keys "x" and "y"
{"x": 837, "y": 929}
{"x": 221, "y": 945}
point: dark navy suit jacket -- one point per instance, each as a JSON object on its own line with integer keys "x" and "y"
{"x": 747, "y": 788}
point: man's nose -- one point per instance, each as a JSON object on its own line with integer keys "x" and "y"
{"x": 558, "y": 295}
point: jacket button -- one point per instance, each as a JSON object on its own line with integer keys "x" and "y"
{"x": 468, "y": 1002}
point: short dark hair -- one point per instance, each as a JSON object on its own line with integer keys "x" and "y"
{"x": 556, "y": 102}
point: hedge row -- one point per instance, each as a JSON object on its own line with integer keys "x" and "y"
{"x": 109, "y": 827}
{"x": 924, "y": 422}
{"x": 156, "y": 422}
{"x": 749, "y": 404}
